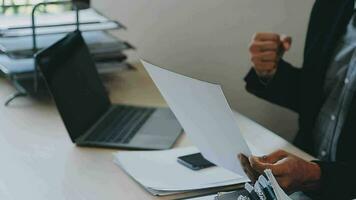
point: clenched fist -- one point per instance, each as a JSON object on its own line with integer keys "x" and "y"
{"x": 266, "y": 49}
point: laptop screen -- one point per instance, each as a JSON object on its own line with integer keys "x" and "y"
{"x": 74, "y": 83}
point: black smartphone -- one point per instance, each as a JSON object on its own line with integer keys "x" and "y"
{"x": 195, "y": 161}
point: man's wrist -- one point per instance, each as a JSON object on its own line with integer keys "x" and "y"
{"x": 315, "y": 172}
{"x": 312, "y": 180}
{"x": 265, "y": 76}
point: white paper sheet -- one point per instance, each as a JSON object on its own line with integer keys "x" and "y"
{"x": 278, "y": 191}
{"x": 160, "y": 171}
{"x": 205, "y": 115}
{"x": 209, "y": 197}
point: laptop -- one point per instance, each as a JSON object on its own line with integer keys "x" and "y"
{"x": 85, "y": 108}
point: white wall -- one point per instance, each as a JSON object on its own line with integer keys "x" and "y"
{"x": 208, "y": 39}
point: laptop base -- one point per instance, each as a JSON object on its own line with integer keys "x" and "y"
{"x": 159, "y": 129}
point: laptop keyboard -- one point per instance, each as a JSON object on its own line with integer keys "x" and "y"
{"x": 121, "y": 125}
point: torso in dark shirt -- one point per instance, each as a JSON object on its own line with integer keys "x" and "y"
{"x": 339, "y": 88}
{"x": 327, "y": 26}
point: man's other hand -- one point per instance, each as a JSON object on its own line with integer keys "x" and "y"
{"x": 292, "y": 173}
{"x": 266, "y": 49}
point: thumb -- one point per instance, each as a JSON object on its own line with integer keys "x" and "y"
{"x": 286, "y": 42}
{"x": 258, "y": 165}
{"x": 274, "y": 157}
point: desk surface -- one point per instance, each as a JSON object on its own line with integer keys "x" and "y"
{"x": 38, "y": 160}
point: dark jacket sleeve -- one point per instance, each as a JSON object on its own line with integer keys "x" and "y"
{"x": 282, "y": 90}
{"x": 337, "y": 180}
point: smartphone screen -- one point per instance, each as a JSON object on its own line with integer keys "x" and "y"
{"x": 195, "y": 161}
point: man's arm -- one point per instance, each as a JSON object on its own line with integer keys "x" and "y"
{"x": 282, "y": 89}
{"x": 271, "y": 77}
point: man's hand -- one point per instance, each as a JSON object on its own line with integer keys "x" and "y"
{"x": 266, "y": 49}
{"x": 292, "y": 173}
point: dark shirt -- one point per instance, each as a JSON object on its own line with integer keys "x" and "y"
{"x": 302, "y": 90}
{"x": 339, "y": 87}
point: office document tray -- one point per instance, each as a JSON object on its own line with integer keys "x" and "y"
{"x": 22, "y": 36}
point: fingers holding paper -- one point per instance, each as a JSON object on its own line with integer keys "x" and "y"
{"x": 250, "y": 172}
{"x": 291, "y": 172}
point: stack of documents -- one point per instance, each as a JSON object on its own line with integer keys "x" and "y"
{"x": 161, "y": 174}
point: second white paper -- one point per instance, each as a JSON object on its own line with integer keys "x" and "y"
{"x": 205, "y": 115}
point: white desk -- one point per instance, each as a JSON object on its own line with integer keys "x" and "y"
{"x": 39, "y": 162}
